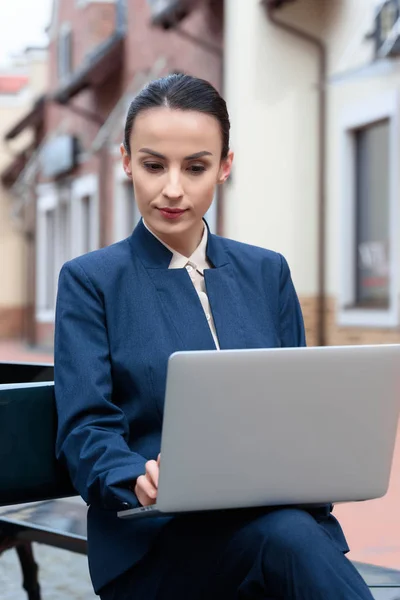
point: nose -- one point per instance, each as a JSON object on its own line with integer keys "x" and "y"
{"x": 173, "y": 186}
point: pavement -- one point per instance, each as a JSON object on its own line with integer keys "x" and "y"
{"x": 13, "y": 351}
{"x": 63, "y": 575}
{"x": 372, "y": 529}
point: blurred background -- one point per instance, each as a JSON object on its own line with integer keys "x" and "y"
{"x": 313, "y": 92}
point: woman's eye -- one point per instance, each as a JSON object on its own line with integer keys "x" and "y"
{"x": 153, "y": 167}
{"x": 197, "y": 169}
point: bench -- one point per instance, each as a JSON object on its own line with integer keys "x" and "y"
{"x": 59, "y": 523}
{"x": 26, "y": 477}
{"x": 45, "y": 508}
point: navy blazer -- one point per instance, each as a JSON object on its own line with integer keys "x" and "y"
{"x": 120, "y": 314}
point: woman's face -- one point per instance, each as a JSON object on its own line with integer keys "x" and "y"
{"x": 175, "y": 164}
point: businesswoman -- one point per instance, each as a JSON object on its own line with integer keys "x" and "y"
{"x": 121, "y": 312}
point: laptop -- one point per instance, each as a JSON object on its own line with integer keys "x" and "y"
{"x": 272, "y": 427}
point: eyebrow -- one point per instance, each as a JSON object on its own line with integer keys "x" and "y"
{"x": 191, "y": 157}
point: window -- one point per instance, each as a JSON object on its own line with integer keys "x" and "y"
{"x": 127, "y": 214}
{"x": 389, "y": 13}
{"x": 211, "y": 215}
{"x": 368, "y": 236}
{"x": 65, "y": 52}
{"x": 85, "y": 215}
{"x": 131, "y": 210}
{"x": 67, "y": 226}
{"x": 86, "y": 225}
{"x": 65, "y": 230}
{"x": 50, "y": 237}
{"x": 372, "y": 215}
{"x": 46, "y": 265}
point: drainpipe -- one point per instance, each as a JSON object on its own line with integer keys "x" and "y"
{"x": 322, "y": 76}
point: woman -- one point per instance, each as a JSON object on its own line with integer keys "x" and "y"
{"x": 121, "y": 312}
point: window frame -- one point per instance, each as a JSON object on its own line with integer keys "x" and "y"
{"x": 65, "y": 34}
{"x": 81, "y": 188}
{"x": 121, "y": 180}
{"x": 47, "y": 201}
{"x": 364, "y": 114}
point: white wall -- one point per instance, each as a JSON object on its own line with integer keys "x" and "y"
{"x": 271, "y": 89}
{"x": 272, "y": 96}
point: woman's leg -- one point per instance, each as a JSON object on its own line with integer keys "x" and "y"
{"x": 282, "y": 554}
{"x": 296, "y": 560}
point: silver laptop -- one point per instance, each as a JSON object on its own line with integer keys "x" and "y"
{"x": 270, "y": 427}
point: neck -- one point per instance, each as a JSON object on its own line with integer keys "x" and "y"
{"x": 184, "y": 243}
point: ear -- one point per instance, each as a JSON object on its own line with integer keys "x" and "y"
{"x": 225, "y": 168}
{"x": 126, "y": 161}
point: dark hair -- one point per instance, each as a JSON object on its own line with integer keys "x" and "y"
{"x": 181, "y": 92}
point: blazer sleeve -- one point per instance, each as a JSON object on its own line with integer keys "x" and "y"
{"x": 291, "y": 322}
{"x": 92, "y": 431}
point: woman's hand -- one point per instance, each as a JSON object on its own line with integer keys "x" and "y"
{"x": 147, "y": 484}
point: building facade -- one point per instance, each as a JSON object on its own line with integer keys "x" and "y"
{"x": 21, "y": 83}
{"x": 313, "y": 89}
{"x": 100, "y": 55}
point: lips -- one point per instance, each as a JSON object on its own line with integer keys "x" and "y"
{"x": 172, "y": 213}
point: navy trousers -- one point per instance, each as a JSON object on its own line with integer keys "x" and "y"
{"x": 282, "y": 554}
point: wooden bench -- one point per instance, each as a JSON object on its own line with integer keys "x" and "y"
{"x": 46, "y": 510}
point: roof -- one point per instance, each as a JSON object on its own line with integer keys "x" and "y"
{"x": 12, "y": 84}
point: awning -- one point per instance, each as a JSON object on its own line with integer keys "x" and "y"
{"x": 96, "y": 68}
{"x": 32, "y": 119}
{"x": 168, "y": 13}
{"x": 11, "y": 173}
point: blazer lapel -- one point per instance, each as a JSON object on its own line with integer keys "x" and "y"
{"x": 183, "y": 307}
{"x": 175, "y": 290}
{"x": 225, "y": 301}
{"x": 180, "y": 300}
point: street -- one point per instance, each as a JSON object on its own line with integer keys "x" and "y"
{"x": 63, "y": 575}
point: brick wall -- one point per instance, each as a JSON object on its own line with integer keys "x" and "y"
{"x": 99, "y": 24}
{"x": 342, "y": 336}
{"x": 309, "y": 308}
{"x": 45, "y": 335}
{"x": 12, "y": 321}
{"x": 144, "y": 46}
{"x": 356, "y": 335}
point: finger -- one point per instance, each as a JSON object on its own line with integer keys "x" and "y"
{"x": 147, "y": 486}
{"x": 152, "y": 471}
{"x": 141, "y": 496}
{"x": 145, "y": 491}
{"x": 159, "y": 459}
{"x": 143, "y": 499}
